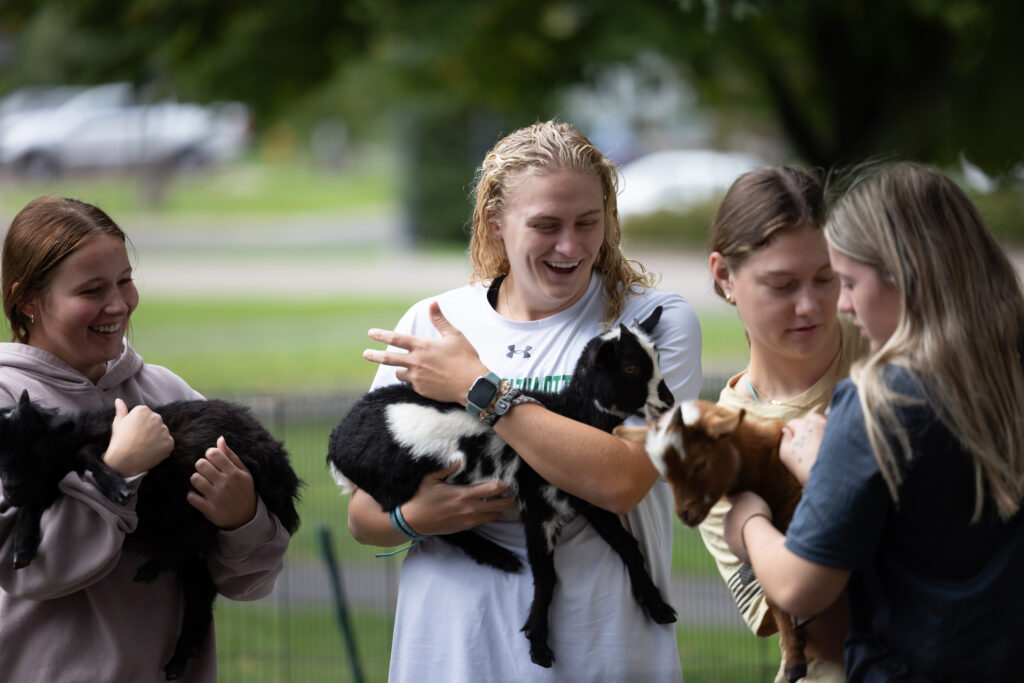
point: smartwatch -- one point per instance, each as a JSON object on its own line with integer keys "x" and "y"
{"x": 482, "y": 393}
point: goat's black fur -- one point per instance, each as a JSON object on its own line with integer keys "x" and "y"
{"x": 39, "y": 446}
{"x": 616, "y": 375}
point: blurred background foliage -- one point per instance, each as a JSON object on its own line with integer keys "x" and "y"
{"x": 820, "y": 83}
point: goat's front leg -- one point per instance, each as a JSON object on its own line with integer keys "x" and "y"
{"x": 108, "y": 480}
{"x": 542, "y": 565}
{"x": 625, "y": 544}
{"x": 26, "y": 534}
{"x": 793, "y": 641}
{"x": 484, "y": 551}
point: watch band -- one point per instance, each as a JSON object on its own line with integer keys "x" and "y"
{"x": 483, "y": 393}
{"x": 504, "y": 403}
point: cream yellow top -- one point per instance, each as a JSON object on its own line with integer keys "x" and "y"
{"x": 745, "y": 589}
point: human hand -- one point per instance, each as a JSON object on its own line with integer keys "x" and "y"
{"x": 442, "y": 508}
{"x": 798, "y": 449}
{"x": 442, "y": 368}
{"x": 745, "y": 505}
{"x": 139, "y": 440}
{"x": 224, "y": 490}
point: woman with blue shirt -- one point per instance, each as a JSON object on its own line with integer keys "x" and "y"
{"x": 913, "y": 505}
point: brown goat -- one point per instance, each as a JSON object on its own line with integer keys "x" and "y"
{"x": 706, "y": 451}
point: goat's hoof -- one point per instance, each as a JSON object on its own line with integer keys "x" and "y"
{"x": 174, "y": 670}
{"x": 541, "y": 655}
{"x": 662, "y": 613}
{"x": 23, "y": 558}
{"x": 123, "y": 494}
{"x": 796, "y": 672}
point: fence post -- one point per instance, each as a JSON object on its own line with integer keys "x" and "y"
{"x": 340, "y": 604}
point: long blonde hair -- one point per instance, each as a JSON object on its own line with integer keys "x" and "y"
{"x": 961, "y": 320}
{"x": 541, "y": 149}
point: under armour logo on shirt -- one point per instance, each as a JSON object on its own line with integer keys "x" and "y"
{"x": 512, "y": 351}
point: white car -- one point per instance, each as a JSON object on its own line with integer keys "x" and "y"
{"x": 675, "y": 179}
{"x": 104, "y": 127}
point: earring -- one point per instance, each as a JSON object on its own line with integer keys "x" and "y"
{"x": 32, "y": 319}
{"x": 730, "y": 299}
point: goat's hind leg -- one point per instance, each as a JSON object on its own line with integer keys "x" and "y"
{"x": 542, "y": 564}
{"x": 625, "y": 544}
{"x": 199, "y": 592}
{"x": 792, "y": 641}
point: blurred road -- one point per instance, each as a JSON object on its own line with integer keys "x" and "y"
{"x": 331, "y": 255}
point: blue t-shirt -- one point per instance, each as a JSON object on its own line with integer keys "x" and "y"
{"x": 932, "y": 596}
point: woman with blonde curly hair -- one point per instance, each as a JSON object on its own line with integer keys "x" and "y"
{"x": 548, "y": 274}
{"x": 913, "y": 508}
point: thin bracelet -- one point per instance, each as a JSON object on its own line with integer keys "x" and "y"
{"x": 743, "y": 529}
{"x": 402, "y": 526}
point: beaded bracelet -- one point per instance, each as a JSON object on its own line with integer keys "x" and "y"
{"x": 503, "y": 388}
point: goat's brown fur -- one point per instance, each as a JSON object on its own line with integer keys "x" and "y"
{"x": 706, "y": 451}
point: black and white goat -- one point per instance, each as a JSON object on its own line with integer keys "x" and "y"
{"x": 393, "y": 437}
{"x": 39, "y": 446}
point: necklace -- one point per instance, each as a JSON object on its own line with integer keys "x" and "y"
{"x": 757, "y": 393}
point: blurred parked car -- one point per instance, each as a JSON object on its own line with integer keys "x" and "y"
{"x": 44, "y": 132}
{"x": 672, "y": 180}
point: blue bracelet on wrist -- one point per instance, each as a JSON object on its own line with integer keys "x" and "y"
{"x": 402, "y": 527}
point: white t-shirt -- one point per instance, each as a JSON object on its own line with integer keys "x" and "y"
{"x": 460, "y": 621}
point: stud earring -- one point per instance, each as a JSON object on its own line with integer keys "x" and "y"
{"x": 730, "y": 299}
{"x": 32, "y": 319}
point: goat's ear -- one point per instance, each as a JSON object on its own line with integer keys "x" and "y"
{"x": 677, "y": 417}
{"x": 24, "y": 401}
{"x": 722, "y": 423}
{"x": 605, "y": 355}
{"x": 648, "y": 324}
{"x": 634, "y": 434}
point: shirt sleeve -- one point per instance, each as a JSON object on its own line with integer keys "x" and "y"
{"x": 248, "y": 559}
{"x": 678, "y": 339}
{"x": 841, "y": 517}
{"x": 82, "y": 536}
{"x": 738, "y": 576}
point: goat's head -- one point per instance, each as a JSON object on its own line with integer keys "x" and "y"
{"x": 620, "y": 369}
{"x": 23, "y": 460}
{"x": 688, "y": 445}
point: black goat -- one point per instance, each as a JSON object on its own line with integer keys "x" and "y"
{"x": 39, "y": 446}
{"x": 393, "y": 437}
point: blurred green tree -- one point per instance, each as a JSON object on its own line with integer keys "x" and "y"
{"x": 841, "y": 79}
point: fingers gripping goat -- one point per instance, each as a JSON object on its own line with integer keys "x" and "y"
{"x": 393, "y": 437}
{"x": 706, "y": 451}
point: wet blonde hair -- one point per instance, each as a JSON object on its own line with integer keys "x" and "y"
{"x": 961, "y": 320}
{"x": 541, "y": 149}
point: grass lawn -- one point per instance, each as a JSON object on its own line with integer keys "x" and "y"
{"x": 256, "y": 644}
{"x": 299, "y": 346}
{"x": 247, "y": 187}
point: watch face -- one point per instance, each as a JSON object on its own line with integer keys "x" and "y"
{"x": 481, "y": 393}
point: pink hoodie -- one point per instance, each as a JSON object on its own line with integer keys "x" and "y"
{"x": 75, "y": 613}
